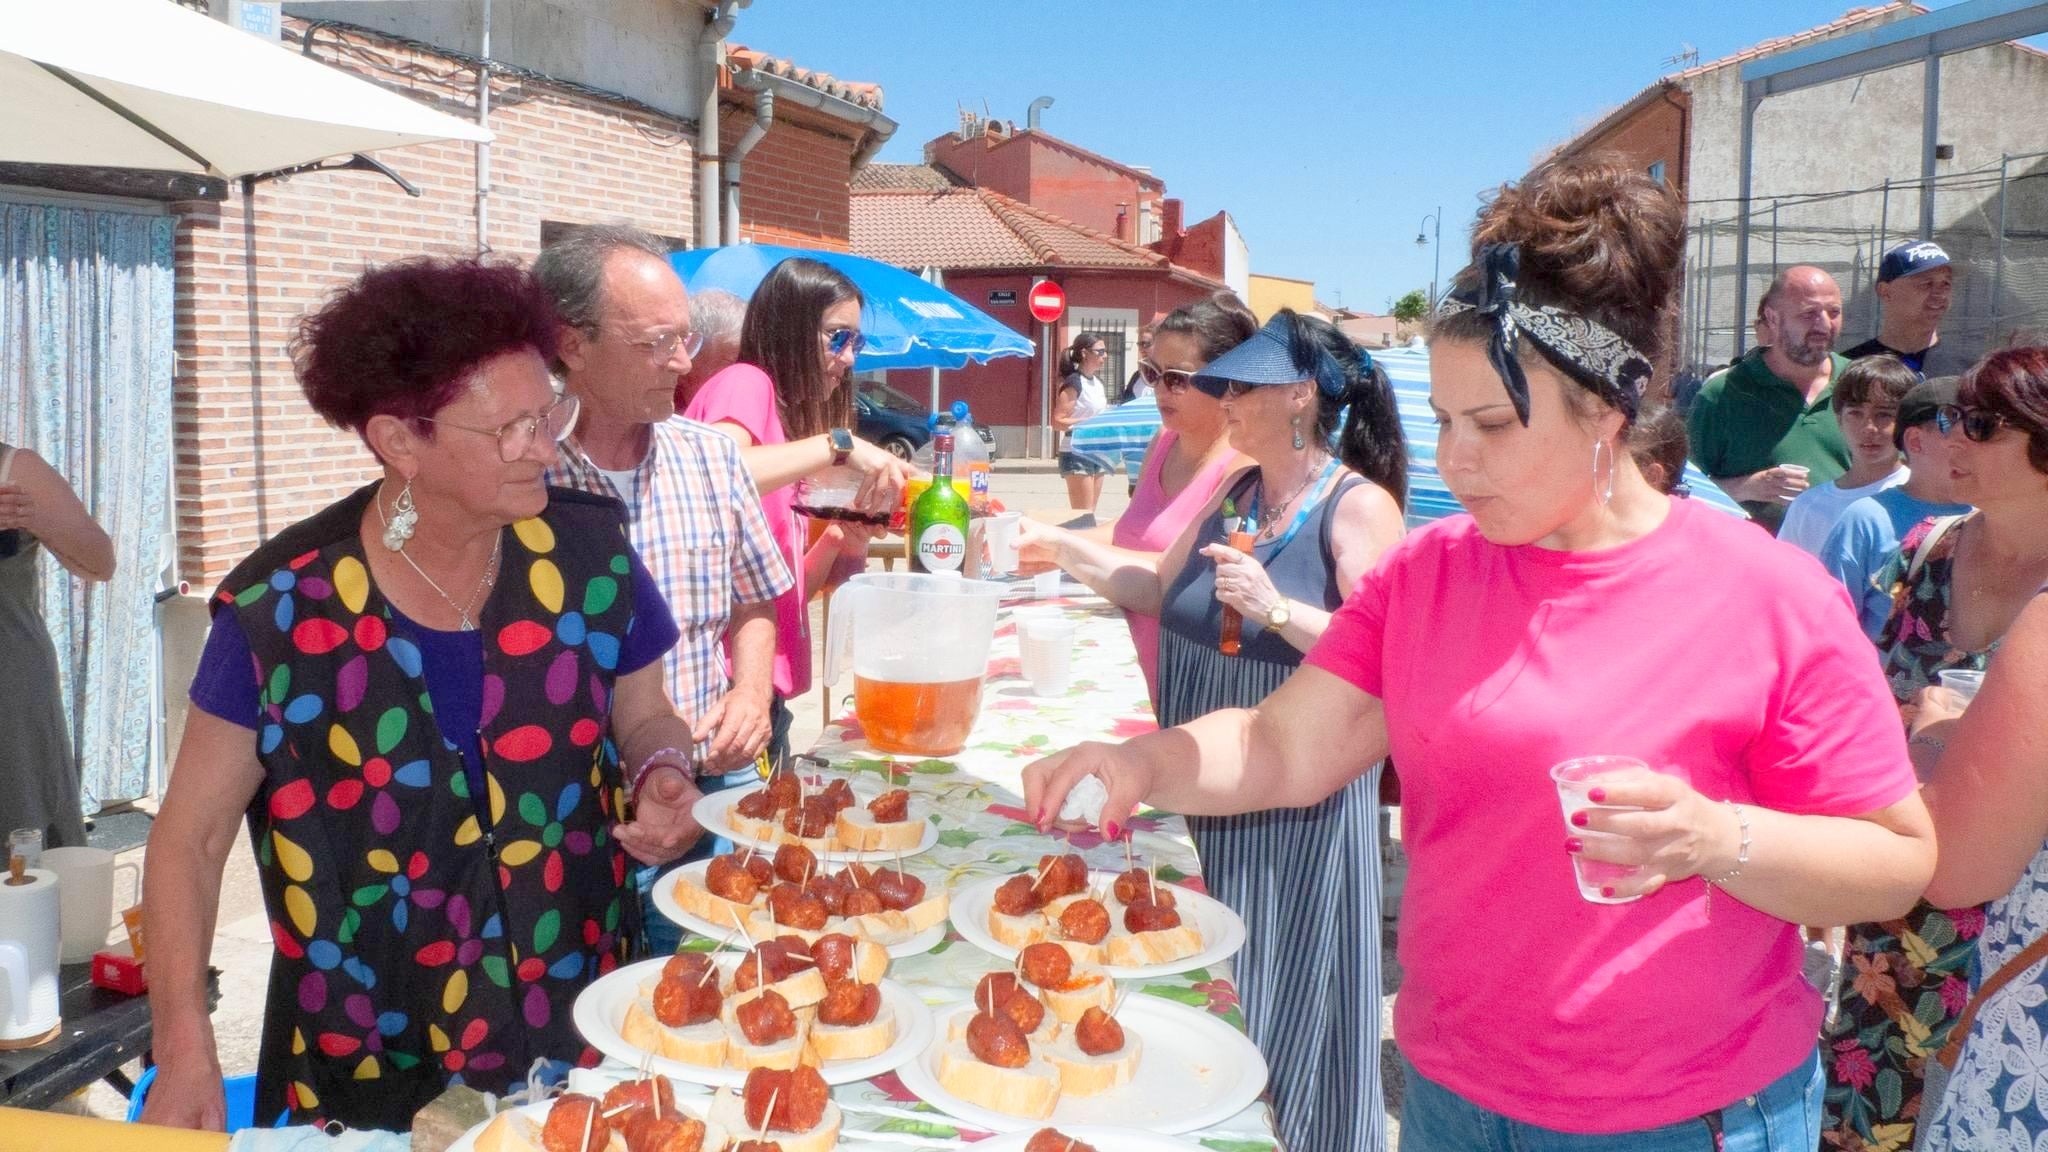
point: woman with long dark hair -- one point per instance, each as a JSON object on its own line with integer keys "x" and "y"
{"x": 1306, "y": 882}
{"x": 1080, "y": 396}
{"x": 788, "y": 400}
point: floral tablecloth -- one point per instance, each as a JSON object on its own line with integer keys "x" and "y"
{"x": 975, "y": 798}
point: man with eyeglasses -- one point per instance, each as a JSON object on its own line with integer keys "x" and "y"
{"x": 691, "y": 508}
{"x": 1139, "y": 384}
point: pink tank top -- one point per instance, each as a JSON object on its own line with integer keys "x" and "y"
{"x": 1151, "y": 523}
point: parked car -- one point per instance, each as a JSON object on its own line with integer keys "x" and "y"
{"x": 893, "y": 420}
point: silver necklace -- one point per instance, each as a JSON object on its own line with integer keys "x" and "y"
{"x": 1271, "y": 516}
{"x": 490, "y": 577}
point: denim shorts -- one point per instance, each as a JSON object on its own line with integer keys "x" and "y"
{"x": 1083, "y": 464}
{"x": 1783, "y": 1117}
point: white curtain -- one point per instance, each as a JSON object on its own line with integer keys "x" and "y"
{"x": 85, "y": 381}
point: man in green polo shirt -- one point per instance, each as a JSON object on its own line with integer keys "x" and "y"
{"x": 1764, "y": 428}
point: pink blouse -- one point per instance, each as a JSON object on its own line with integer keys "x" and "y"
{"x": 1151, "y": 523}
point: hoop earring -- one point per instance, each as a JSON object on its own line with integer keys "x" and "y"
{"x": 1297, "y": 432}
{"x": 404, "y": 519}
{"x": 1603, "y": 489}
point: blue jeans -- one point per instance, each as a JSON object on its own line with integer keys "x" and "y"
{"x": 661, "y": 935}
{"x": 1784, "y": 1117}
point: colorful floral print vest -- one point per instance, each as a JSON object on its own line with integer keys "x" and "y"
{"x": 426, "y": 936}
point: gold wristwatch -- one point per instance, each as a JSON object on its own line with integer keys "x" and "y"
{"x": 1277, "y": 616}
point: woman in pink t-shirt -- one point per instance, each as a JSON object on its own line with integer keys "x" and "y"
{"x": 789, "y": 402}
{"x": 1577, "y": 611}
{"x": 1191, "y": 457}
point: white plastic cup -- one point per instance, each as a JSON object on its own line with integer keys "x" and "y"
{"x": 1047, "y": 647}
{"x": 1573, "y": 778}
{"x": 85, "y": 888}
{"x": 1963, "y": 682}
{"x": 1046, "y": 585}
{"x": 1002, "y": 542}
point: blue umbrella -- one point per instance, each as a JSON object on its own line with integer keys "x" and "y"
{"x": 908, "y": 322}
{"x": 1129, "y": 428}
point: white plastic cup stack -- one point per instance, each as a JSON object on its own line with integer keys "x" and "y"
{"x": 1046, "y": 644}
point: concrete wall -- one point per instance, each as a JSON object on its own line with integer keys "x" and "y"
{"x": 642, "y": 49}
{"x": 1237, "y": 259}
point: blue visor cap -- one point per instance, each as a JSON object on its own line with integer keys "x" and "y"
{"x": 1268, "y": 358}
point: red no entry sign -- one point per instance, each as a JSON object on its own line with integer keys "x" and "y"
{"x": 1048, "y": 300}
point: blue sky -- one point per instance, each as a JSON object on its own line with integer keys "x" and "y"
{"x": 1327, "y": 128}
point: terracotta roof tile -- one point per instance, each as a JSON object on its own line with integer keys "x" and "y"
{"x": 1842, "y": 23}
{"x": 901, "y": 178}
{"x": 962, "y": 227}
{"x": 864, "y": 95}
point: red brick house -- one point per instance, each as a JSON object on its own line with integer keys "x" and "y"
{"x": 573, "y": 147}
{"x": 991, "y": 247}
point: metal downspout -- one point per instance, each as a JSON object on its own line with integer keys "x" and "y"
{"x": 710, "y": 66}
{"x": 764, "y": 118}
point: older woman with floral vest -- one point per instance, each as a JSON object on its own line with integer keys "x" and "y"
{"x": 434, "y": 702}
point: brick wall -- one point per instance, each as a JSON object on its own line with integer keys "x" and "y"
{"x": 794, "y": 184}
{"x": 252, "y": 458}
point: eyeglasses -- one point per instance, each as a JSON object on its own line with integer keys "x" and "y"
{"x": 839, "y": 340}
{"x": 516, "y": 435}
{"x": 664, "y": 346}
{"x": 1165, "y": 379}
{"x": 1978, "y": 424}
{"x": 1103, "y": 350}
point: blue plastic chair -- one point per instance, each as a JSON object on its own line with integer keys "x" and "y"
{"x": 241, "y": 1100}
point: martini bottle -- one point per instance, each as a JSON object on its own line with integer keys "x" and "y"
{"x": 938, "y": 520}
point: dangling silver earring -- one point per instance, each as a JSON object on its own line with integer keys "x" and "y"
{"x": 404, "y": 518}
{"x": 1297, "y": 433}
{"x": 1604, "y": 490}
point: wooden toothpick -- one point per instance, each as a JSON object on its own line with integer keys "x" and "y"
{"x": 740, "y": 924}
{"x": 761, "y": 1130}
{"x": 1130, "y": 861}
{"x": 589, "y": 1125}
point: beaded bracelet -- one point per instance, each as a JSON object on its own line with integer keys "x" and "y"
{"x": 1741, "y": 853}
{"x": 675, "y": 759}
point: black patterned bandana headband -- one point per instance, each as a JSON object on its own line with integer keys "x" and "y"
{"x": 1590, "y": 353}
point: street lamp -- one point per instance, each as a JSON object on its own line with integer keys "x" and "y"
{"x": 1422, "y": 237}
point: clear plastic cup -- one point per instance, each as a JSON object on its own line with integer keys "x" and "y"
{"x": 1046, "y": 585}
{"x": 1573, "y": 778}
{"x": 1963, "y": 682}
{"x": 1046, "y": 644}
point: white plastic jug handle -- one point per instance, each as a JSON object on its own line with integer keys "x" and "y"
{"x": 839, "y": 612}
{"x": 14, "y": 965}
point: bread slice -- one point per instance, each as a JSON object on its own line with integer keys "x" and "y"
{"x": 859, "y": 831}
{"x": 764, "y": 831}
{"x": 1017, "y": 931}
{"x": 801, "y": 991}
{"x": 728, "y": 1112}
{"x": 701, "y": 902}
{"x": 1089, "y": 987}
{"x": 855, "y": 1042}
{"x": 701, "y": 1044}
{"x": 870, "y": 961}
{"x": 1085, "y": 1075}
{"x": 892, "y": 927}
{"x": 1030, "y": 1092}
{"x": 744, "y": 1055}
{"x": 509, "y": 1132}
{"x": 1049, "y": 1027}
{"x": 1131, "y": 950}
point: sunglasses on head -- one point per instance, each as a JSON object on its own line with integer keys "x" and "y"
{"x": 840, "y": 339}
{"x": 1978, "y": 424}
{"x": 1165, "y": 379}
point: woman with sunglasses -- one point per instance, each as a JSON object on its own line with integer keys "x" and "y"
{"x": 1958, "y": 584}
{"x": 788, "y": 401}
{"x": 1307, "y": 882}
{"x": 1984, "y": 769}
{"x": 1080, "y": 396}
{"x": 433, "y": 702}
{"x": 1191, "y": 457}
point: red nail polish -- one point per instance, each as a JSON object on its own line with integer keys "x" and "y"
{"x": 1607, "y": 892}
{"x": 1578, "y": 819}
{"x": 1597, "y": 795}
{"x": 1112, "y": 831}
{"x": 1574, "y": 844}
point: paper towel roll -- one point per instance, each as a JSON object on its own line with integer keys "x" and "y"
{"x": 28, "y": 957}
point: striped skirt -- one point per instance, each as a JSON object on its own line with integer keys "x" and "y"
{"x": 1307, "y": 883}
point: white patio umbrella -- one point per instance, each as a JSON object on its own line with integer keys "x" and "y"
{"x": 150, "y": 84}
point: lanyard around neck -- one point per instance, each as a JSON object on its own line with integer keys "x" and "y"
{"x": 1301, "y": 513}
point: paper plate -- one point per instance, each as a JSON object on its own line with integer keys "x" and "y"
{"x": 600, "y": 1011}
{"x": 1222, "y": 930}
{"x": 710, "y": 811}
{"x": 1103, "y": 1138}
{"x": 1195, "y": 1071}
{"x": 665, "y": 900}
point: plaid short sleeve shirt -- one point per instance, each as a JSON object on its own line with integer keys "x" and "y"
{"x": 695, "y": 519}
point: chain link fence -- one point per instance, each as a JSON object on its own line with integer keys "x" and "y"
{"x": 1992, "y": 221}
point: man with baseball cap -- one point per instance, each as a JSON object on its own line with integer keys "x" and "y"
{"x": 1867, "y": 535}
{"x": 1915, "y": 283}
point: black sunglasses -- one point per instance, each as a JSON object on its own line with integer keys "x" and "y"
{"x": 1165, "y": 379}
{"x": 1978, "y": 424}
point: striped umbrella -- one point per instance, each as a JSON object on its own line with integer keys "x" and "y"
{"x": 1126, "y": 430}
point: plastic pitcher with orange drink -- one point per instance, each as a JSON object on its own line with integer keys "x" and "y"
{"x": 918, "y": 646}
